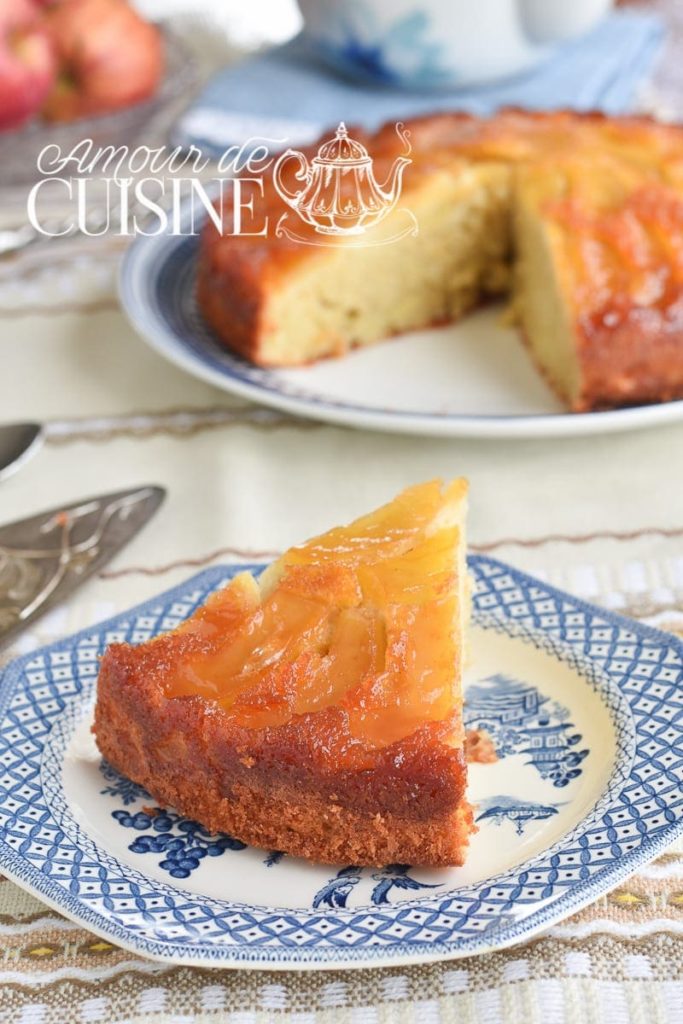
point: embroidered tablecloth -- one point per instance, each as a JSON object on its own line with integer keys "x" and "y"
{"x": 601, "y": 517}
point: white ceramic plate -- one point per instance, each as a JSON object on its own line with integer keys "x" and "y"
{"x": 471, "y": 379}
{"x": 586, "y": 712}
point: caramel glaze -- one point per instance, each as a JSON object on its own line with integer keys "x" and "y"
{"x": 446, "y": 141}
{"x": 620, "y": 251}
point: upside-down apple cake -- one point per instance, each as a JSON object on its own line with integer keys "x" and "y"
{"x": 578, "y": 217}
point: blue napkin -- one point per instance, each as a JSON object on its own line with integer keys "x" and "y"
{"x": 289, "y": 95}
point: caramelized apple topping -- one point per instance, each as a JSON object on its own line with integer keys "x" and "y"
{"x": 363, "y": 618}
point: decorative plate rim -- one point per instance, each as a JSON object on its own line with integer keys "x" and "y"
{"x": 579, "y": 894}
{"x": 148, "y": 256}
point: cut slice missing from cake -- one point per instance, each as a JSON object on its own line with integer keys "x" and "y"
{"x": 283, "y": 303}
{"x": 318, "y": 709}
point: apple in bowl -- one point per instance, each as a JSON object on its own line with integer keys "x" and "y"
{"x": 28, "y": 64}
{"x": 109, "y": 57}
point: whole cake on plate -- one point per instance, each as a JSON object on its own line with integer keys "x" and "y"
{"x": 578, "y": 217}
{"x": 318, "y": 709}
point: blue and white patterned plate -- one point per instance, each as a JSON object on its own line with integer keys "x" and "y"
{"x": 471, "y": 379}
{"x": 585, "y": 708}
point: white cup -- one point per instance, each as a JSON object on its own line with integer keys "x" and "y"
{"x": 442, "y": 44}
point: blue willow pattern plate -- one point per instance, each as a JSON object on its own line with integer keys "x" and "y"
{"x": 585, "y": 709}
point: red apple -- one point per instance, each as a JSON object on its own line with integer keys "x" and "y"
{"x": 27, "y": 62}
{"x": 109, "y": 57}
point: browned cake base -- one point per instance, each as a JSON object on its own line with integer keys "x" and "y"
{"x": 261, "y": 785}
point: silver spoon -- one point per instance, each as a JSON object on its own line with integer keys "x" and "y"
{"x": 18, "y": 442}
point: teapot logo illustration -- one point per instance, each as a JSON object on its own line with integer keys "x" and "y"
{"x": 339, "y": 196}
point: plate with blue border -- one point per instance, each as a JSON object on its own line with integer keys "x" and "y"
{"x": 469, "y": 379}
{"x": 585, "y": 709}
